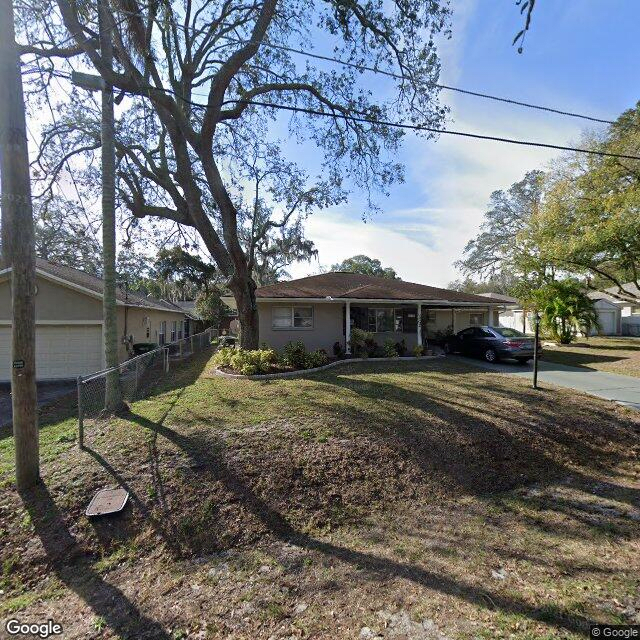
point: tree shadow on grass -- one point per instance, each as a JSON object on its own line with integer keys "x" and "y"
{"x": 209, "y": 462}
{"x": 73, "y": 568}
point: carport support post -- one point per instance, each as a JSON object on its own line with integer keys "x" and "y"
{"x": 419, "y": 324}
{"x": 347, "y": 328}
{"x": 80, "y": 415}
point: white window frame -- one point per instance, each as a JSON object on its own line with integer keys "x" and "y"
{"x": 386, "y": 310}
{"x": 292, "y": 310}
{"x": 174, "y": 330}
{"x": 162, "y": 331}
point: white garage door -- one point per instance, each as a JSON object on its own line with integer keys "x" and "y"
{"x": 61, "y": 351}
{"x": 607, "y": 322}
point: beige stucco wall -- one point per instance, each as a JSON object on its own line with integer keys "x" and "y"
{"x": 54, "y": 302}
{"x": 136, "y": 326}
{"x": 57, "y": 303}
{"x": 327, "y": 327}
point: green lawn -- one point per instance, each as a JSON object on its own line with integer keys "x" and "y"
{"x": 616, "y": 355}
{"x": 404, "y": 497}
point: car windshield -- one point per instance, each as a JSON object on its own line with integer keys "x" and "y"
{"x": 505, "y": 332}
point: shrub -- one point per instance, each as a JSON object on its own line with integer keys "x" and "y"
{"x": 338, "y": 350}
{"x": 359, "y": 341}
{"x": 389, "y": 349}
{"x": 418, "y": 351}
{"x": 316, "y": 358}
{"x": 370, "y": 345}
{"x": 222, "y": 357}
{"x": 295, "y": 355}
{"x": 246, "y": 362}
{"x": 401, "y": 347}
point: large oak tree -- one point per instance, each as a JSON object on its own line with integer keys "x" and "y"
{"x": 191, "y": 75}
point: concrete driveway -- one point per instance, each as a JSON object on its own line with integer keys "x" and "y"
{"x": 611, "y": 386}
{"x": 47, "y": 393}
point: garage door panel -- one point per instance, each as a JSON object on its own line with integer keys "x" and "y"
{"x": 607, "y": 321}
{"x": 61, "y": 351}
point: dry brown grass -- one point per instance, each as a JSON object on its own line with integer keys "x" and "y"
{"x": 409, "y": 498}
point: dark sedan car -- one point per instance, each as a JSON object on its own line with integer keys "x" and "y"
{"x": 492, "y": 344}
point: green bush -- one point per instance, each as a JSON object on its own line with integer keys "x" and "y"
{"x": 389, "y": 349}
{"x": 418, "y": 351}
{"x": 362, "y": 343}
{"x": 401, "y": 347}
{"x": 295, "y": 355}
{"x": 222, "y": 357}
{"x": 246, "y": 362}
{"x": 316, "y": 358}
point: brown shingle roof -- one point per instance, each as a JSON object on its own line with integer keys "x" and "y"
{"x": 87, "y": 281}
{"x": 339, "y": 284}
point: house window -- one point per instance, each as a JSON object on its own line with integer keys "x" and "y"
{"x": 148, "y": 331}
{"x": 381, "y": 320}
{"x": 162, "y": 332}
{"x": 292, "y": 317}
{"x": 180, "y": 329}
{"x": 431, "y": 316}
{"x": 174, "y": 330}
{"x": 476, "y": 319}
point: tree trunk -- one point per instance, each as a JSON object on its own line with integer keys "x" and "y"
{"x": 19, "y": 253}
{"x": 244, "y": 292}
{"x": 113, "y": 395}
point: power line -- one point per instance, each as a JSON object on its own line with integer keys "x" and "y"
{"x": 402, "y": 125}
{"x": 397, "y": 76}
{"x": 55, "y": 123}
{"x": 464, "y": 134}
{"x": 362, "y": 68}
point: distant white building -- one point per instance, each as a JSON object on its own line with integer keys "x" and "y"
{"x": 628, "y": 312}
{"x": 611, "y": 315}
{"x": 511, "y": 313}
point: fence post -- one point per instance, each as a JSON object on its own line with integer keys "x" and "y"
{"x": 80, "y": 415}
{"x": 192, "y": 348}
{"x": 166, "y": 362}
{"x": 137, "y": 374}
{"x": 180, "y": 348}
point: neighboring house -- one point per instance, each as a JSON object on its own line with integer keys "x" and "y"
{"x": 628, "y": 312}
{"x": 69, "y": 337}
{"x": 321, "y": 310}
{"x": 514, "y": 316}
{"x": 193, "y": 321}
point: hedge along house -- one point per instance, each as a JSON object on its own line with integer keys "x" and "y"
{"x": 322, "y": 310}
{"x": 69, "y": 335}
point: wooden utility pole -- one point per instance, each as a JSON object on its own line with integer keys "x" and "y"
{"x": 113, "y": 396}
{"x": 18, "y": 247}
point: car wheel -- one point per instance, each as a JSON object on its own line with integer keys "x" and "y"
{"x": 523, "y": 360}
{"x": 490, "y": 355}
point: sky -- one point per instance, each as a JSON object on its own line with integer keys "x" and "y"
{"x": 579, "y": 55}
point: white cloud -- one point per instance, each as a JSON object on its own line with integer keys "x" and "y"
{"x": 455, "y": 177}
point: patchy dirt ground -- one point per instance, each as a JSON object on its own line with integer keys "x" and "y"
{"x": 612, "y": 354}
{"x": 407, "y": 500}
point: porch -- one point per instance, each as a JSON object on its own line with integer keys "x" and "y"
{"x": 414, "y": 323}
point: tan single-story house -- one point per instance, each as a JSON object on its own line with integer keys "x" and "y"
{"x": 322, "y": 310}
{"x": 69, "y": 335}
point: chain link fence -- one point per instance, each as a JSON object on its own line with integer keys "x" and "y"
{"x": 133, "y": 379}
